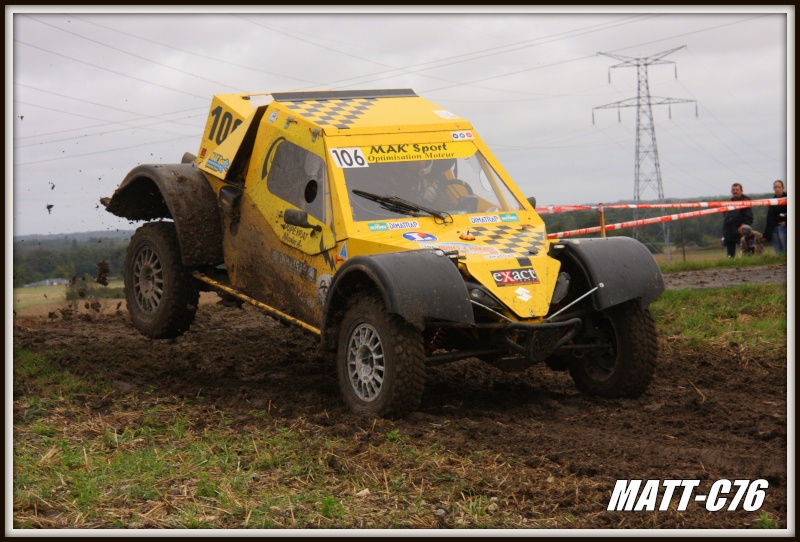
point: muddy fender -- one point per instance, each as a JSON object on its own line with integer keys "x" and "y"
{"x": 182, "y": 193}
{"x": 417, "y": 285}
{"x": 623, "y": 265}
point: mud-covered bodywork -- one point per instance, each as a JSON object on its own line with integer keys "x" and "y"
{"x": 363, "y": 215}
{"x": 179, "y": 192}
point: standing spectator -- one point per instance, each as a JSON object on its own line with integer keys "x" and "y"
{"x": 775, "y": 230}
{"x": 734, "y": 220}
{"x": 751, "y": 241}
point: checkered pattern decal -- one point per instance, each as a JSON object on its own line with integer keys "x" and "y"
{"x": 510, "y": 239}
{"x": 337, "y": 113}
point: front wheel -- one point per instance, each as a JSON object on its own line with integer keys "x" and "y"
{"x": 625, "y": 366}
{"x": 161, "y": 294}
{"x": 380, "y": 361}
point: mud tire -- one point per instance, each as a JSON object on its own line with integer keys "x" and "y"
{"x": 153, "y": 258}
{"x": 387, "y": 385}
{"x": 628, "y": 369}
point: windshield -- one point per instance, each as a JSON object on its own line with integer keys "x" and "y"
{"x": 454, "y": 185}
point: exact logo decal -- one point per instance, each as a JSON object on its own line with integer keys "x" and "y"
{"x": 420, "y": 237}
{"x": 484, "y": 219}
{"x": 218, "y": 163}
{"x": 457, "y": 136}
{"x": 513, "y": 277}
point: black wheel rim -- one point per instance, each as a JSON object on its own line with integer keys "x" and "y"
{"x": 601, "y": 367}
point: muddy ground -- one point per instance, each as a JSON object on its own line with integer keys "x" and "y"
{"x": 709, "y": 415}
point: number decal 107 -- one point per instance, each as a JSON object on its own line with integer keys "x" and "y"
{"x": 222, "y": 125}
{"x": 349, "y": 157}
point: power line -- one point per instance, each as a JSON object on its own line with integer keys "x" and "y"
{"x": 123, "y": 123}
{"x": 138, "y": 146}
{"x": 136, "y": 56}
{"x": 204, "y": 98}
{"x": 222, "y": 61}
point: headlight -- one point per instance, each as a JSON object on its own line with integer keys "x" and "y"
{"x": 562, "y": 287}
{"x": 481, "y": 295}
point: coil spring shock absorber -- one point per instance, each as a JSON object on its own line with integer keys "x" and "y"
{"x": 433, "y": 341}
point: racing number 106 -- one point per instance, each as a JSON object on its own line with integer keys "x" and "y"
{"x": 224, "y": 125}
{"x": 349, "y": 157}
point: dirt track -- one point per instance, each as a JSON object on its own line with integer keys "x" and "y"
{"x": 709, "y": 415}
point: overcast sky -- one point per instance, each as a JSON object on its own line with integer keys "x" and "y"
{"x": 90, "y": 95}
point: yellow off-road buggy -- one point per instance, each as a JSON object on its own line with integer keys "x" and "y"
{"x": 382, "y": 223}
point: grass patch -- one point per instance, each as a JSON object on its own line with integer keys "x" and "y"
{"x": 87, "y": 455}
{"x": 748, "y": 315}
{"x": 722, "y": 262}
{"x": 146, "y": 465}
{"x": 37, "y": 295}
{"x": 82, "y": 290}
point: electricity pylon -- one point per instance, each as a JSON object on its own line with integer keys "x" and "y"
{"x": 647, "y": 173}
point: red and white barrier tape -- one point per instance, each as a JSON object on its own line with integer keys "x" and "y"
{"x": 551, "y": 209}
{"x": 641, "y": 222}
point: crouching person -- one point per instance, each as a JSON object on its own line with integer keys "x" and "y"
{"x": 751, "y": 241}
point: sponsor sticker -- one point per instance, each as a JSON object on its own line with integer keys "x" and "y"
{"x": 293, "y": 265}
{"x": 378, "y": 226}
{"x": 273, "y": 117}
{"x": 457, "y": 136}
{"x": 643, "y": 495}
{"x": 484, "y": 219}
{"x": 445, "y": 114}
{"x": 465, "y": 248}
{"x": 523, "y": 294}
{"x": 323, "y": 285}
{"x": 343, "y": 252}
{"x": 509, "y": 217}
{"x": 514, "y": 277}
{"x": 502, "y": 256}
{"x": 404, "y": 225}
{"x": 420, "y": 237}
{"x": 218, "y": 163}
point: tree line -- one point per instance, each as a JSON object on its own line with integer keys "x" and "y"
{"x": 38, "y": 258}
{"x": 77, "y": 255}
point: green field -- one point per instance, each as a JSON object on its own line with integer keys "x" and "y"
{"x": 25, "y": 298}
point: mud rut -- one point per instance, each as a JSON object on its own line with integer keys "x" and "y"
{"x": 708, "y": 415}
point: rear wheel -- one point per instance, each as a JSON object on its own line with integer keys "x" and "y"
{"x": 625, "y": 367}
{"x": 161, "y": 294}
{"x": 380, "y": 361}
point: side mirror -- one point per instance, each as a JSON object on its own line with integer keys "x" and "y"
{"x": 294, "y": 217}
{"x": 532, "y": 201}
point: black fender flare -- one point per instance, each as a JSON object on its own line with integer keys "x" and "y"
{"x": 623, "y": 265}
{"x": 417, "y": 285}
{"x": 180, "y": 192}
